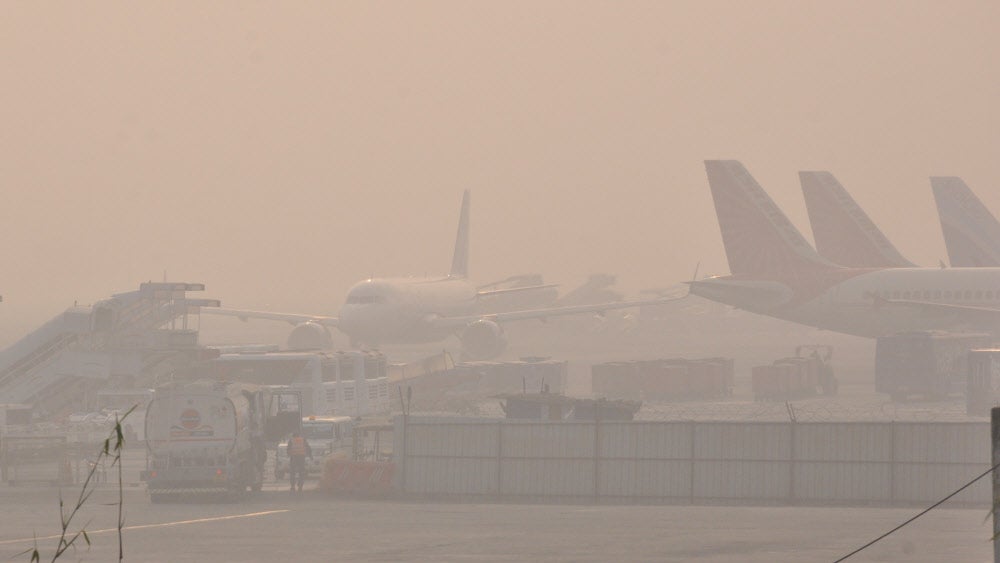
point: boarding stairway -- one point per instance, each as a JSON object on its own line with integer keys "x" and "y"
{"x": 133, "y": 335}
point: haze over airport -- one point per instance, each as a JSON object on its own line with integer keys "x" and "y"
{"x": 280, "y": 153}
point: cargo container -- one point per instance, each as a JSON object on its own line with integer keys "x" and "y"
{"x": 931, "y": 365}
{"x": 791, "y": 378}
{"x": 664, "y": 379}
{"x": 777, "y": 382}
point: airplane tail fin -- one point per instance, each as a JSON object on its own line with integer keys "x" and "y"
{"x": 759, "y": 238}
{"x": 843, "y": 232}
{"x": 971, "y": 232}
{"x": 460, "y": 260}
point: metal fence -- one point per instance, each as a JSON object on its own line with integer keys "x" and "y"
{"x": 694, "y": 461}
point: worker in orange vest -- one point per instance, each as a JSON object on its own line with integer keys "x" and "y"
{"x": 298, "y": 449}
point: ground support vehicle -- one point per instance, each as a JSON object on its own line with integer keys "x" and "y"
{"x": 929, "y": 364}
{"x": 822, "y": 355}
{"x": 326, "y": 435}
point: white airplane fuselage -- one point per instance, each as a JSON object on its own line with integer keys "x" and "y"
{"x": 422, "y": 310}
{"x": 396, "y": 311}
{"x": 860, "y": 301}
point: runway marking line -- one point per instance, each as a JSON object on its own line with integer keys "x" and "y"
{"x": 160, "y": 525}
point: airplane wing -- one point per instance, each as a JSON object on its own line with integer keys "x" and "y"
{"x": 291, "y": 318}
{"x": 459, "y": 322}
{"x": 491, "y": 292}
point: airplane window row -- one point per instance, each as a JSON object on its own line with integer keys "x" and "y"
{"x": 937, "y": 294}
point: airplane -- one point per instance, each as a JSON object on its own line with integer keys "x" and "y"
{"x": 971, "y": 232}
{"x": 423, "y": 310}
{"x": 842, "y": 231}
{"x": 775, "y": 272}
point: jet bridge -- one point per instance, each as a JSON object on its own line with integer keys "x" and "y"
{"x": 137, "y": 334}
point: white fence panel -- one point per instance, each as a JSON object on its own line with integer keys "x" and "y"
{"x": 451, "y": 439}
{"x": 947, "y": 443}
{"x": 645, "y": 478}
{"x": 461, "y": 476}
{"x": 922, "y": 483}
{"x": 743, "y": 441}
{"x": 548, "y": 440}
{"x": 748, "y": 480}
{"x": 646, "y": 440}
{"x": 547, "y": 477}
{"x": 699, "y": 461}
{"x": 847, "y": 481}
{"x": 839, "y": 442}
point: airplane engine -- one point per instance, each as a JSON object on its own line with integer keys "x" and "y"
{"x": 483, "y": 340}
{"x": 310, "y": 336}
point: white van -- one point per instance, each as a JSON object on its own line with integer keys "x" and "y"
{"x": 326, "y": 435}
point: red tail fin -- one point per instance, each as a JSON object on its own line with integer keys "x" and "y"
{"x": 843, "y": 232}
{"x": 759, "y": 239}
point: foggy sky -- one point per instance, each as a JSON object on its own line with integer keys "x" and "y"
{"x": 280, "y": 152}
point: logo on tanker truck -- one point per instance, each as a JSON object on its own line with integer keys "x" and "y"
{"x": 190, "y": 419}
{"x": 191, "y": 426}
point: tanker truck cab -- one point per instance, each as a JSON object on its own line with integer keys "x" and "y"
{"x": 209, "y": 437}
{"x": 284, "y": 414}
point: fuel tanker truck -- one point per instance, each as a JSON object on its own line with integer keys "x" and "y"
{"x": 209, "y": 437}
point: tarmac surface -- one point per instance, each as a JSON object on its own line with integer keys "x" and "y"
{"x": 310, "y": 526}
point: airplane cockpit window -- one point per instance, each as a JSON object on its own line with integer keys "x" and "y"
{"x": 363, "y": 299}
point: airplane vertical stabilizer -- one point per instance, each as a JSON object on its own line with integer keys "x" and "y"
{"x": 843, "y": 232}
{"x": 971, "y": 232}
{"x": 759, "y": 238}
{"x": 460, "y": 260}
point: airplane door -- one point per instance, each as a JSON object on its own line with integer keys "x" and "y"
{"x": 284, "y": 415}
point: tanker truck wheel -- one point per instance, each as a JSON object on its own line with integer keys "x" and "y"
{"x": 236, "y": 493}
{"x": 258, "y": 479}
{"x": 249, "y": 480}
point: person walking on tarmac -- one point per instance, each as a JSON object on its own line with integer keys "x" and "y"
{"x": 298, "y": 449}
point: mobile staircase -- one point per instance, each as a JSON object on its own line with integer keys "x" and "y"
{"x": 133, "y": 335}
